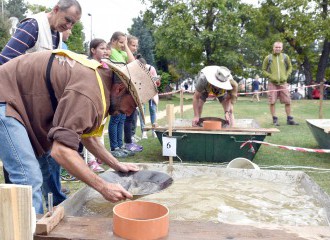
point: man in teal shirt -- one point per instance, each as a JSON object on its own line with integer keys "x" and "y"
{"x": 277, "y": 68}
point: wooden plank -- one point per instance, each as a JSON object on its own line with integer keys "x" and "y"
{"x": 181, "y": 103}
{"x": 327, "y": 130}
{"x": 24, "y": 198}
{"x": 48, "y": 222}
{"x": 170, "y": 120}
{"x": 321, "y": 100}
{"x": 101, "y": 228}
{"x": 15, "y": 212}
{"x": 200, "y": 129}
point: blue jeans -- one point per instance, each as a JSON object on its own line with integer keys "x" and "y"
{"x": 152, "y": 111}
{"x": 51, "y": 174}
{"x": 115, "y": 129}
{"x": 24, "y": 168}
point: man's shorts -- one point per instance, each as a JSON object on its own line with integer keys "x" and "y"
{"x": 283, "y": 95}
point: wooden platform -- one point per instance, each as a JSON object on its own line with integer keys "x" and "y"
{"x": 101, "y": 228}
{"x": 223, "y": 130}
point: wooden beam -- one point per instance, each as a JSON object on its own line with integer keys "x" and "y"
{"x": 200, "y": 129}
{"x": 16, "y": 212}
{"x": 48, "y": 222}
{"x": 101, "y": 228}
{"x": 170, "y": 122}
{"x": 181, "y": 103}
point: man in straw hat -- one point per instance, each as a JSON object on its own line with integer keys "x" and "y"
{"x": 216, "y": 80}
{"x": 52, "y": 100}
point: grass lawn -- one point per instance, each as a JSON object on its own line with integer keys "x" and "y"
{"x": 314, "y": 164}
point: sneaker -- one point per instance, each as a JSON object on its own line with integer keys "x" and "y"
{"x": 118, "y": 153}
{"x": 144, "y": 135}
{"x": 65, "y": 190}
{"x": 66, "y": 176}
{"x": 133, "y": 147}
{"x": 95, "y": 167}
{"x": 135, "y": 139}
{"x": 154, "y": 135}
{"x": 290, "y": 121}
{"x": 128, "y": 152}
{"x": 275, "y": 121}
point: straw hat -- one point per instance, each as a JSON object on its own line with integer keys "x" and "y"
{"x": 218, "y": 76}
{"x": 137, "y": 79}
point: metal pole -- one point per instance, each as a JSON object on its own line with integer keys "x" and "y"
{"x": 89, "y": 14}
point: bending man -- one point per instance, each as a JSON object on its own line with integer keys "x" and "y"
{"x": 216, "y": 80}
{"x": 50, "y": 101}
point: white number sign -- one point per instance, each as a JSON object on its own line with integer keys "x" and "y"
{"x": 169, "y": 147}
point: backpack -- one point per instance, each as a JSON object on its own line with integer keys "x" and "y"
{"x": 270, "y": 60}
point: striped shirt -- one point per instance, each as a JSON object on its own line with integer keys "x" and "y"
{"x": 24, "y": 38}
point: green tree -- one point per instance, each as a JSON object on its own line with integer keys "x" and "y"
{"x": 35, "y": 8}
{"x": 4, "y": 31}
{"x": 16, "y": 8}
{"x": 77, "y": 38}
{"x": 146, "y": 43}
{"x": 197, "y": 33}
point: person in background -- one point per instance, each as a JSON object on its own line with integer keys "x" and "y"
{"x": 255, "y": 89}
{"x": 186, "y": 86}
{"x": 296, "y": 95}
{"x": 97, "y": 51}
{"x": 316, "y": 93}
{"x": 216, "y": 80}
{"x": 120, "y": 53}
{"x": 130, "y": 121}
{"x": 40, "y": 32}
{"x": 108, "y": 51}
{"x": 277, "y": 68}
{"x": 152, "y": 102}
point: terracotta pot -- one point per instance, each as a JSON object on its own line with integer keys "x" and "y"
{"x": 212, "y": 125}
{"x": 140, "y": 220}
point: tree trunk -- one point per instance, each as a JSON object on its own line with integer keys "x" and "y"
{"x": 323, "y": 61}
{"x": 308, "y": 75}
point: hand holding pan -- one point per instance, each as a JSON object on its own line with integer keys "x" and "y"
{"x": 140, "y": 183}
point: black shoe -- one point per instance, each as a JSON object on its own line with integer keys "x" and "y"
{"x": 290, "y": 121}
{"x": 275, "y": 121}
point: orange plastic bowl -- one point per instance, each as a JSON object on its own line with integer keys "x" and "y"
{"x": 137, "y": 220}
{"x": 212, "y": 125}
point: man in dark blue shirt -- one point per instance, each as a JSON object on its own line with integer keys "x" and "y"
{"x": 42, "y": 31}
{"x": 255, "y": 89}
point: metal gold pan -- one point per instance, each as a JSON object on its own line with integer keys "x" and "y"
{"x": 140, "y": 183}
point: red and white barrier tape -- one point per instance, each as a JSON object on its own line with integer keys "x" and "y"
{"x": 309, "y": 86}
{"x": 299, "y": 149}
{"x": 246, "y": 93}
